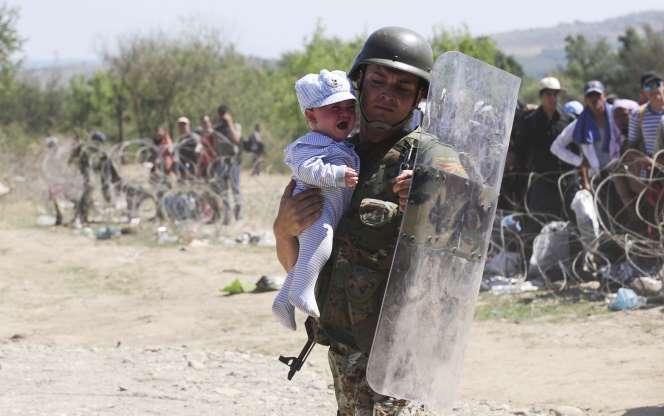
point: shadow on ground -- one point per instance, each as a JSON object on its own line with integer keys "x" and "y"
{"x": 646, "y": 411}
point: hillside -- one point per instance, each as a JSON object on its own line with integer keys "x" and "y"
{"x": 59, "y": 71}
{"x": 540, "y": 50}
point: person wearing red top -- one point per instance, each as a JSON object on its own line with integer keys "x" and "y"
{"x": 163, "y": 161}
{"x": 207, "y": 148}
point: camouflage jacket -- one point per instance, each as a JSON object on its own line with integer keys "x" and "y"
{"x": 351, "y": 286}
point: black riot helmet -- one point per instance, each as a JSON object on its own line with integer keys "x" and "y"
{"x": 398, "y": 48}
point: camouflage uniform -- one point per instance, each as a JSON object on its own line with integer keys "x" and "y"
{"x": 92, "y": 159}
{"x": 227, "y": 172}
{"x": 351, "y": 286}
{"x": 354, "y": 396}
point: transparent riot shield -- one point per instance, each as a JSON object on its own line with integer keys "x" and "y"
{"x": 417, "y": 352}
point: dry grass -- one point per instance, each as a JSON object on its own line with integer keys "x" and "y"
{"x": 545, "y": 306}
{"x": 261, "y": 198}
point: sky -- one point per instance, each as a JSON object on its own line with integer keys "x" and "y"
{"x": 73, "y": 30}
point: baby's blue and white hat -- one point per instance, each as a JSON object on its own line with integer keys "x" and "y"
{"x": 318, "y": 90}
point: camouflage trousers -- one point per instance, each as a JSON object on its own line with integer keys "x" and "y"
{"x": 354, "y": 396}
{"x": 227, "y": 182}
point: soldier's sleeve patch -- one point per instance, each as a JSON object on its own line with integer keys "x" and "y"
{"x": 391, "y": 157}
{"x": 376, "y": 213}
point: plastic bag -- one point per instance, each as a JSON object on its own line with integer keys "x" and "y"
{"x": 626, "y": 299}
{"x": 586, "y": 216}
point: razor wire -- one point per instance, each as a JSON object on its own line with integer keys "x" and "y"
{"x": 639, "y": 243}
{"x": 145, "y": 191}
{"x": 133, "y": 181}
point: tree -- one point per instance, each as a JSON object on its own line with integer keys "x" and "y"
{"x": 10, "y": 41}
{"x": 10, "y": 45}
{"x": 237, "y": 81}
{"x": 158, "y": 71}
{"x": 482, "y": 48}
{"x": 588, "y": 61}
{"x": 636, "y": 55}
{"x": 90, "y": 102}
{"x": 619, "y": 70}
{"x": 38, "y": 104}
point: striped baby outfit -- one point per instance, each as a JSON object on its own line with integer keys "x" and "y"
{"x": 317, "y": 161}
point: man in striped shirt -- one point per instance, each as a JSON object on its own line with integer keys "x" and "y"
{"x": 643, "y": 124}
{"x": 643, "y": 127}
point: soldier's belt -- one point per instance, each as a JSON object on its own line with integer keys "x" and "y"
{"x": 377, "y": 260}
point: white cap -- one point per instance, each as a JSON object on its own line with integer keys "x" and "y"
{"x": 630, "y": 105}
{"x": 183, "y": 119}
{"x": 51, "y": 141}
{"x": 573, "y": 107}
{"x": 318, "y": 90}
{"x": 549, "y": 83}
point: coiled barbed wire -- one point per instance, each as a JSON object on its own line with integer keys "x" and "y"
{"x": 640, "y": 242}
{"x": 187, "y": 195}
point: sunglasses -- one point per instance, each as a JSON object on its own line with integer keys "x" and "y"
{"x": 652, "y": 85}
{"x": 554, "y": 93}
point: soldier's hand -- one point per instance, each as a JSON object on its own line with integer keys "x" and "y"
{"x": 401, "y": 187}
{"x": 297, "y": 212}
{"x": 351, "y": 177}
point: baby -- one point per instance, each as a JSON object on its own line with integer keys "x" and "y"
{"x": 321, "y": 159}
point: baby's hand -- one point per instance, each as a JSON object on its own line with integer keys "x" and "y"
{"x": 351, "y": 177}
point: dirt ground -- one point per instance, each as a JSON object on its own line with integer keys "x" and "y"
{"x": 130, "y": 327}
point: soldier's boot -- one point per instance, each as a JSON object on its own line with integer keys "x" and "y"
{"x": 238, "y": 213}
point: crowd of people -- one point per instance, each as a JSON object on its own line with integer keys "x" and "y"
{"x": 210, "y": 152}
{"x": 603, "y": 135}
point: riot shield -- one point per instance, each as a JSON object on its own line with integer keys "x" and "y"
{"x": 417, "y": 352}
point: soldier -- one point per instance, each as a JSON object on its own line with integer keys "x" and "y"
{"x": 256, "y": 147}
{"x": 91, "y": 158}
{"x": 229, "y": 166}
{"x": 392, "y": 73}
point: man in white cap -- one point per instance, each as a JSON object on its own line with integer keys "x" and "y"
{"x": 536, "y": 134}
{"x": 595, "y": 133}
{"x": 320, "y": 159}
{"x": 185, "y": 149}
